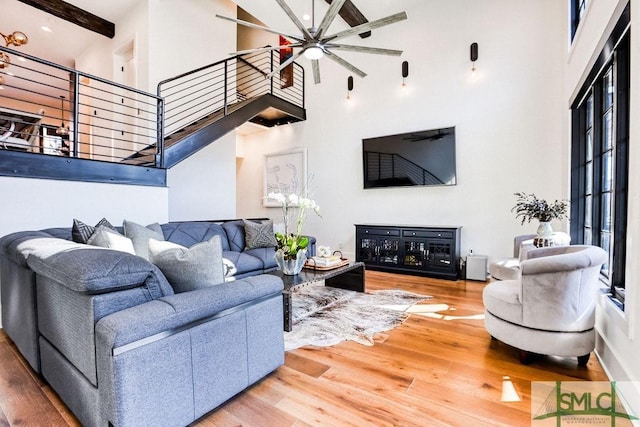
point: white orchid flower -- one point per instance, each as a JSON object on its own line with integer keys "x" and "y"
{"x": 278, "y": 197}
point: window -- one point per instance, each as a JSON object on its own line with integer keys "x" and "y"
{"x": 577, "y": 11}
{"x": 599, "y": 160}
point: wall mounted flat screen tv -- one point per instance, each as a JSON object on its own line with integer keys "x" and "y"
{"x": 415, "y": 158}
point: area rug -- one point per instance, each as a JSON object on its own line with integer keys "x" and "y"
{"x": 325, "y": 316}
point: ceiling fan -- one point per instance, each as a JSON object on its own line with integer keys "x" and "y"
{"x": 315, "y": 44}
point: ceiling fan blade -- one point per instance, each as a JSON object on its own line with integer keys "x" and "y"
{"x": 266, "y": 48}
{"x": 294, "y": 18}
{"x": 400, "y": 16}
{"x": 315, "y": 66}
{"x": 285, "y": 63}
{"x": 364, "y": 49}
{"x": 331, "y": 14}
{"x": 260, "y": 27}
{"x": 345, "y": 64}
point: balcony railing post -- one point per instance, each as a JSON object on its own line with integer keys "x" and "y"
{"x": 160, "y": 132}
{"x": 76, "y": 112}
{"x": 226, "y": 88}
{"x": 271, "y": 79}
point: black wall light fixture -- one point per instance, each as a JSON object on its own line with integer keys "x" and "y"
{"x": 349, "y": 87}
{"x": 405, "y": 72}
{"x": 473, "y": 53}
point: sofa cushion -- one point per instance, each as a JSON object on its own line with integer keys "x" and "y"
{"x": 140, "y": 236}
{"x": 237, "y": 263}
{"x": 259, "y": 235}
{"x": 191, "y": 268}
{"x": 81, "y": 232}
{"x": 60, "y": 232}
{"x": 265, "y": 255}
{"x": 191, "y": 232}
{"x": 235, "y": 234}
{"x": 106, "y": 237}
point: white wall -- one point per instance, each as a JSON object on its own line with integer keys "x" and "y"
{"x": 510, "y": 121}
{"x": 170, "y": 38}
{"x": 186, "y": 35}
{"x": 33, "y": 204}
{"x": 203, "y": 186}
{"x": 617, "y": 342}
{"x": 133, "y": 28}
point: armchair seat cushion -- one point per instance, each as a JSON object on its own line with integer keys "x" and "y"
{"x": 502, "y": 299}
{"x": 505, "y": 269}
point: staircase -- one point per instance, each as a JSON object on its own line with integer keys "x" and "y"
{"x": 205, "y": 104}
{"x": 107, "y": 124}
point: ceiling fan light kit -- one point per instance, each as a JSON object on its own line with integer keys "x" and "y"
{"x": 314, "y": 52}
{"x": 315, "y": 44}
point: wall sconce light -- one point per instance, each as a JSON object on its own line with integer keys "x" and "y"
{"x": 349, "y": 87}
{"x": 405, "y": 73}
{"x": 473, "y": 53}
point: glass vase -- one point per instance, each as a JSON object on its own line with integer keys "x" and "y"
{"x": 291, "y": 267}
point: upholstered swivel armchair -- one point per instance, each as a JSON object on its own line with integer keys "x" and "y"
{"x": 550, "y": 308}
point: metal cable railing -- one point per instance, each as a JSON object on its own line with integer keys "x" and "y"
{"x": 50, "y": 109}
{"x": 391, "y": 166}
{"x": 216, "y": 89}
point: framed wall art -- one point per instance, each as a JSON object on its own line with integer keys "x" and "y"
{"x": 285, "y": 172}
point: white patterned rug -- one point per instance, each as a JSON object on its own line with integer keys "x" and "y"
{"x": 325, "y": 316}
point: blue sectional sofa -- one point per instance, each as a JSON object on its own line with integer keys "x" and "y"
{"x": 107, "y": 331}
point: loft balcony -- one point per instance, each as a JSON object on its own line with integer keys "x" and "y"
{"x": 60, "y": 123}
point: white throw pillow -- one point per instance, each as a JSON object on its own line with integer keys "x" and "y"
{"x": 191, "y": 268}
{"x": 106, "y": 237}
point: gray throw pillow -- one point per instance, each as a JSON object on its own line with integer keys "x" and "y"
{"x": 81, "y": 232}
{"x": 191, "y": 268}
{"x": 140, "y": 236}
{"x": 106, "y": 237}
{"x": 259, "y": 235}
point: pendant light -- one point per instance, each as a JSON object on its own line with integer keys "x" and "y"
{"x": 62, "y": 130}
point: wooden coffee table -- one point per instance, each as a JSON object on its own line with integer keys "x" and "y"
{"x": 350, "y": 277}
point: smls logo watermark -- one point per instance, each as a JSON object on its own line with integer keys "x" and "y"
{"x": 584, "y": 403}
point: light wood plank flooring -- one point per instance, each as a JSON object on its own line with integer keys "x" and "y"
{"x": 442, "y": 370}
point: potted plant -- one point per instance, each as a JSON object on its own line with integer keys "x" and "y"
{"x": 529, "y": 207}
{"x": 291, "y": 248}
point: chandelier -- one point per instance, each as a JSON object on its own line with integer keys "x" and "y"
{"x": 17, "y": 38}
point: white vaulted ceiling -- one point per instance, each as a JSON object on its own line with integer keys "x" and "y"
{"x": 67, "y": 40}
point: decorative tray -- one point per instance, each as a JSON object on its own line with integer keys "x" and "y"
{"x": 310, "y": 264}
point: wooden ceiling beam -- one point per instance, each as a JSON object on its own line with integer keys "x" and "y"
{"x": 352, "y": 16}
{"x": 75, "y": 15}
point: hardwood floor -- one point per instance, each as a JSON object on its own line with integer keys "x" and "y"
{"x": 442, "y": 370}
